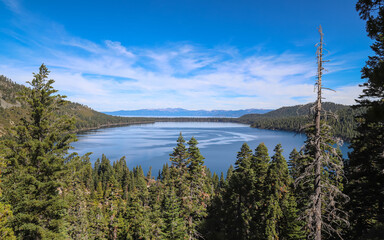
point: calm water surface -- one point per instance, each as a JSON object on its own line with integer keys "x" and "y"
{"x": 150, "y": 144}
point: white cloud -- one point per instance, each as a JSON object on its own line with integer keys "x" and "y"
{"x": 110, "y": 76}
{"x": 344, "y": 95}
{"x": 119, "y": 48}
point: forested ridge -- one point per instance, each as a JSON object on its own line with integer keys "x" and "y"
{"x": 294, "y": 118}
{"x": 86, "y": 118}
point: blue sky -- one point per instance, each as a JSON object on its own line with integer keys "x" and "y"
{"x": 194, "y": 54}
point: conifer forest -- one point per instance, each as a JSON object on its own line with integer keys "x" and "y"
{"x": 48, "y": 193}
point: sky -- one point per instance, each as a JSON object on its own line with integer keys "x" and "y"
{"x": 193, "y": 54}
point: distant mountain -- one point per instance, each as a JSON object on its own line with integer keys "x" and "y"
{"x": 180, "y": 112}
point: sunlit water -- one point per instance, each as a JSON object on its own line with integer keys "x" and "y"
{"x": 150, "y": 144}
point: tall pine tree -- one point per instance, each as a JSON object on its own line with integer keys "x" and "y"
{"x": 36, "y": 149}
{"x": 238, "y": 202}
{"x": 366, "y": 165}
{"x": 280, "y": 209}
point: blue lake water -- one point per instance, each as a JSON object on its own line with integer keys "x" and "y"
{"x": 150, "y": 144}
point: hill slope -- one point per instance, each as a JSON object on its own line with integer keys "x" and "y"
{"x": 293, "y": 118}
{"x": 86, "y": 118}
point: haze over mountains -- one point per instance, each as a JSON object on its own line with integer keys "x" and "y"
{"x": 180, "y": 112}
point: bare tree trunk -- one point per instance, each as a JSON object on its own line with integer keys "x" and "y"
{"x": 323, "y": 212}
{"x": 317, "y": 184}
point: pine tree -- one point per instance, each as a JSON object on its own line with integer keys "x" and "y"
{"x": 36, "y": 150}
{"x": 294, "y": 158}
{"x": 366, "y": 164}
{"x": 222, "y": 182}
{"x": 98, "y": 222}
{"x": 280, "y": 213}
{"x": 179, "y": 155}
{"x": 238, "y": 197}
{"x": 230, "y": 172}
{"x": 198, "y": 189}
{"x": 174, "y": 224}
{"x": 260, "y": 163}
{"x": 156, "y": 195}
{"x": 179, "y": 183}
{"x": 77, "y": 196}
{"x": 6, "y": 232}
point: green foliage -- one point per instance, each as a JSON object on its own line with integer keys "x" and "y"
{"x": 281, "y": 213}
{"x": 6, "y": 232}
{"x": 36, "y": 150}
{"x": 366, "y": 164}
{"x": 77, "y": 196}
{"x": 260, "y": 165}
{"x": 296, "y": 117}
{"x": 86, "y": 118}
{"x": 174, "y": 226}
{"x": 257, "y": 201}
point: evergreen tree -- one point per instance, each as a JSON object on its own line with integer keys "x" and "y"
{"x": 199, "y": 195}
{"x": 366, "y": 164}
{"x": 230, "y": 172}
{"x": 36, "y": 150}
{"x": 260, "y": 164}
{"x": 280, "y": 213}
{"x": 174, "y": 225}
{"x": 179, "y": 155}
{"x": 137, "y": 221}
{"x": 165, "y": 173}
{"x": 239, "y": 196}
{"x": 156, "y": 195}
{"x": 77, "y": 196}
{"x": 6, "y": 232}
{"x": 222, "y": 182}
{"x": 294, "y": 158}
{"x": 98, "y": 221}
{"x": 179, "y": 182}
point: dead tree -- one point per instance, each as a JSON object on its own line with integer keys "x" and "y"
{"x": 324, "y": 168}
{"x": 318, "y": 165}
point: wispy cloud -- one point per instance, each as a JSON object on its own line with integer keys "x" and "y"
{"x": 111, "y": 76}
{"x": 13, "y": 5}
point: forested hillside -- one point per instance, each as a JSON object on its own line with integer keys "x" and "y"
{"x": 294, "y": 118}
{"x": 85, "y": 117}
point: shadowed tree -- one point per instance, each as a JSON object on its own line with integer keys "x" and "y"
{"x": 366, "y": 164}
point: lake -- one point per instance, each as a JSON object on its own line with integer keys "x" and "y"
{"x": 150, "y": 144}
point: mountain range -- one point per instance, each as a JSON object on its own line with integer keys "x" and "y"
{"x": 180, "y": 112}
